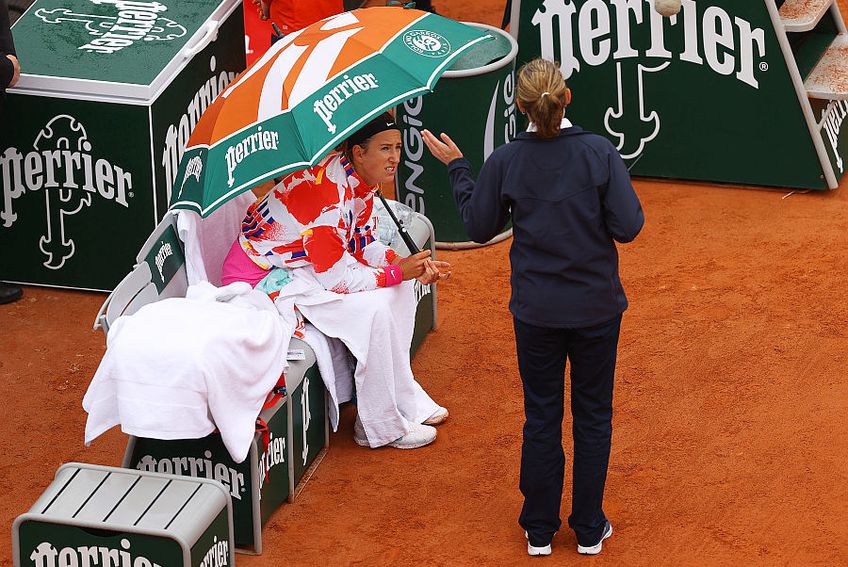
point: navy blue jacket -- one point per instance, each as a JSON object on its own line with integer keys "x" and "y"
{"x": 569, "y": 198}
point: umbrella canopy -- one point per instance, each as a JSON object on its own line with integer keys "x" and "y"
{"x": 310, "y": 91}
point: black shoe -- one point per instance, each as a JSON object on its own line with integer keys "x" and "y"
{"x": 9, "y": 293}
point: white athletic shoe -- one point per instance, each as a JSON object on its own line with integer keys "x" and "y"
{"x": 439, "y": 416}
{"x": 596, "y": 549}
{"x": 418, "y": 436}
{"x": 534, "y": 551}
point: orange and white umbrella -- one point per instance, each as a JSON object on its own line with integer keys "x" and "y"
{"x": 310, "y": 91}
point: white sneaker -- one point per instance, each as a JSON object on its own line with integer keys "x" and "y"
{"x": 359, "y": 436}
{"x": 596, "y": 549}
{"x": 439, "y": 416}
{"x": 418, "y": 436}
{"x": 534, "y": 551}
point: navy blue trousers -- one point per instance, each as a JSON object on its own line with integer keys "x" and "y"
{"x": 542, "y": 354}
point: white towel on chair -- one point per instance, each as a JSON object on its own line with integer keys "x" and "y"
{"x": 208, "y": 240}
{"x": 376, "y": 326}
{"x": 336, "y": 368}
{"x": 179, "y": 367}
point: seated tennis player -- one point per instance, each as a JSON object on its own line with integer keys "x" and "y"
{"x": 317, "y": 227}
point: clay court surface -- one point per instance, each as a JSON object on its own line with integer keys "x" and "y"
{"x": 729, "y": 444}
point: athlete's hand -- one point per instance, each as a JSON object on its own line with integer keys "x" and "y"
{"x": 441, "y": 271}
{"x": 414, "y": 266}
{"x": 444, "y": 150}
{"x": 431, "y": 273}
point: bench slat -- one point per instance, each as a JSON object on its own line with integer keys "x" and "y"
{"x": 829, "y": 78}
{"x": 803, "y": 15}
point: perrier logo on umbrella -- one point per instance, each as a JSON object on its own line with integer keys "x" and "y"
{"x": 309, "y": 92}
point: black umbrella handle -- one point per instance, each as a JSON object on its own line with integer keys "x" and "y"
{"x": 407, "y": 239}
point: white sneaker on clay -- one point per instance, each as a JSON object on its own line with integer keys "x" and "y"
{"x": 418, "y": 436}
{"x": 596, "y": 549}
{"x": 534, "y": 551}
{"x": 438, "y": 417}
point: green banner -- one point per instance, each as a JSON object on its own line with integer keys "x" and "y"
{"x": 703, "y": 95}
{"x": 309, "y": 412}
{"x": 474, "y": 104}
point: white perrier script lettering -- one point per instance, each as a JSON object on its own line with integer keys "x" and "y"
{"x": 727, "y": 45}
{"x": 178, "y": 133}
{"x": 45, "y": 555}
{"x": 199, "y": 467}
{"x": 258, "y": 141}
{"x": 135, "y": 20}
{"x": 62, "y": 164}
{"x": 218, "y": 555}
{"x": 326, "y": 106}
{"x": 833, "y": 118}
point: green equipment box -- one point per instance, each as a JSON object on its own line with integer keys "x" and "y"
{"x": 96, "y": 515}
{"x": 93, "y": 132}
{"x": 290, "y": 442}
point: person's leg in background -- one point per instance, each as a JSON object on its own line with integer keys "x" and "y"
{"x": 541, "y": 363}
{"x": 592, "y": 353}
{"x": 9, "y": 293}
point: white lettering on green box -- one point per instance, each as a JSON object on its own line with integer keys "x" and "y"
{"x": 729, "y": 44}
{"x": 45, "y": 555}
{"x": 61, "y": 159}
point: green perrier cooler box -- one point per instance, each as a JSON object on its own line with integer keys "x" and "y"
{"x": 97, "y": 516}
{"x": 92, "y": 134}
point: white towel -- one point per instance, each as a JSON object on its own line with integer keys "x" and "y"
{"x": 179, "y": 367}
{"x": 336, "y": 368}
{"x": 376, "y": 327}
{"x": 207, "y": 241}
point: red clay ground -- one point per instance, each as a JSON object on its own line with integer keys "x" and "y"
{"x": 731, "y": 399}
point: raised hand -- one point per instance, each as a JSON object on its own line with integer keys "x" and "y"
{"x": 444, "y": 150}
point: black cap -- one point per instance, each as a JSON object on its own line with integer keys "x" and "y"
{"x": 380, "y": 124}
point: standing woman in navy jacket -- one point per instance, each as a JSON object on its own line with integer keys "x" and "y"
{"x": 569, "y": 197}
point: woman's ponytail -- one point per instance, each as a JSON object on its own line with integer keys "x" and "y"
{"x": 542, "y": 91}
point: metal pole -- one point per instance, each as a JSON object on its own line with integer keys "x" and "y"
{"x": 407, "y": 239}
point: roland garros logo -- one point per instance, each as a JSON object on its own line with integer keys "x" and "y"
{"x": 135, "y": 21}
{"x": 62, "y": 167}
{"x": 427, "y": 43}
